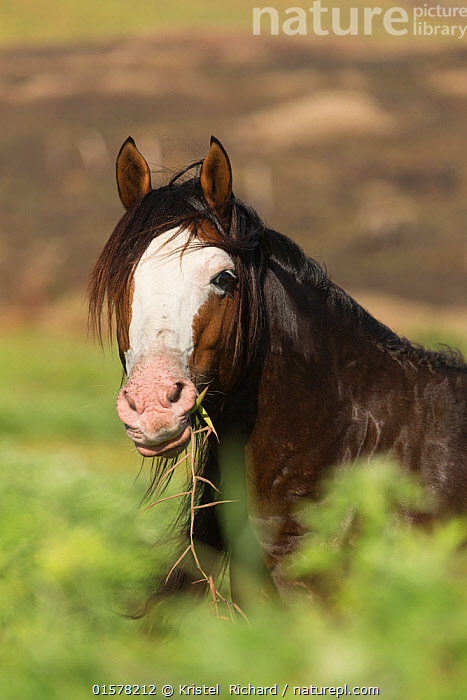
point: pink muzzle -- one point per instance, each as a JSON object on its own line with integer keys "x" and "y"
{"x": 155, "y": 404}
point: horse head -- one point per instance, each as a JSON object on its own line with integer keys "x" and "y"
{"x": 175, "y": 298}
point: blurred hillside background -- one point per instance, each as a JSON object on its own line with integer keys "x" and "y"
{"x": 354, "y": 146}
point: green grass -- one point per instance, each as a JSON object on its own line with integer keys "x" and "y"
{"x": 25, "y": 21}
{"x": 58, "y": 387}
{"x": 59, "y": 392}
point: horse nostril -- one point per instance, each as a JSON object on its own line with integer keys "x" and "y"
{"x": 130, "y": 402}
{"x": 175, "y": 392}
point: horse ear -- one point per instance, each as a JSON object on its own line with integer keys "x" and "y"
{"x": 133, "y": 174}
{"x": 216, "y": 175}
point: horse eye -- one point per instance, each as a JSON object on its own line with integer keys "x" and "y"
{"x": 223, "y": 280}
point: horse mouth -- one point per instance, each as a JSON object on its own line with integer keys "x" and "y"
{"x": 169, "y": 448}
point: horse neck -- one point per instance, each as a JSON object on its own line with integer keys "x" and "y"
{"x": 336, "y": 372}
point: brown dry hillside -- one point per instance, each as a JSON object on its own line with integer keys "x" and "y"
{"x": 359, "y": 153}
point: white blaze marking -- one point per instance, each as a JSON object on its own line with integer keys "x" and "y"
{"x": 169, "y": 289}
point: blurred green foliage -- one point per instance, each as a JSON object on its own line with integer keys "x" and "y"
{"x": 75, "y": 556}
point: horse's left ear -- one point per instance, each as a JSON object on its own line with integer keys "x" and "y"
{"x": 216, "y": 175}
{"x": 133, "y": 174}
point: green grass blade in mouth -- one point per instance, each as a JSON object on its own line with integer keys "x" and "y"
{"x": 205, "y": 416}
{"x": 199, "y": 401}
{"x": 198, "y": 407}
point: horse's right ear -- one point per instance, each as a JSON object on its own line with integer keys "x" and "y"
{"x": 133, "y": 174}
{"x": 216, "y": 175}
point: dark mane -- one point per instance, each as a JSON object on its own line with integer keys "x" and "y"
{"x": 254, "y": 247}
{"x": 313, "y": 277}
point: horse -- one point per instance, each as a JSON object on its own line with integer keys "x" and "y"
{"x": 203, "y": 295}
